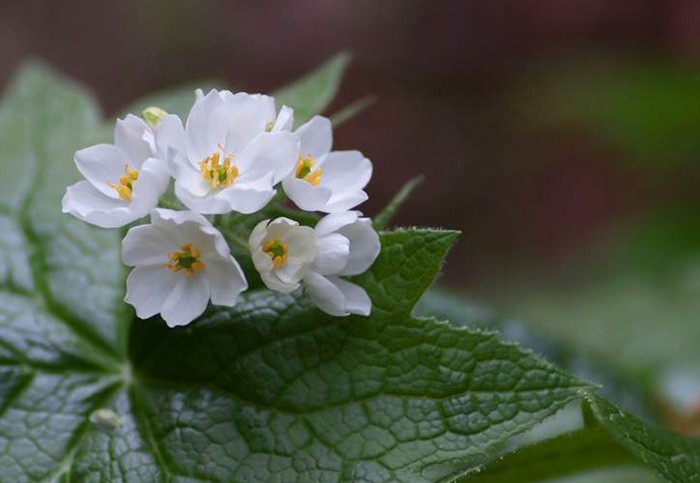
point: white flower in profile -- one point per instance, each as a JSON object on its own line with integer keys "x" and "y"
{"x": 123, "y": 181}
{"x": 282, "y": 251}
{"x": 325, "y": 180}
{"x": 227, "y": 158}
{"x": 288, "y": 255}
{"x": 346, "y": 245}
{"x": 180, "y": 262}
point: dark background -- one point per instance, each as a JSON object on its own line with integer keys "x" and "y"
{"x": 505, "y": 106}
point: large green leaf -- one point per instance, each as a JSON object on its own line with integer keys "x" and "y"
{"x": 387, "y": 396}
{"x": 610, "y": 438}
{"x": 270, "y": 389}
{"x": 616, "y": 384}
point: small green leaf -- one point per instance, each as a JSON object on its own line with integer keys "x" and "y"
{"x": 313, "y": 93}
{"x": 352, "y": 110}
{"x": 387, "y": 214}
{"x": 674, "y": 457}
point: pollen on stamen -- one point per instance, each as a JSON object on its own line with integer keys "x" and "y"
{"x": 187, "y": 260}
{"x": 305, "y": 170}
{"x": 219, "y": 175}
{"x": 277, "y": 250}
{"x": 126, "y": 183}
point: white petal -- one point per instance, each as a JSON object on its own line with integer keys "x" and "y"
{"x": 161, "y": 216}
{"x": 255, "y": 240}
{"x": 203, "y": 130}
{"x": 231, "y": 120}
{"x": 208, "y": 205}
{"x": 273, "y": 152}
{"x": 169, "y": 138}
{"x": 292, "y": 272}
{"x": 364, "y": 246}
{"x": 265, "y": 267}
{"x": 335, "y": 221}
{"x": 101, "y": 165}
{"x": 347, "y": 168}
{"x": 325, "y": 295}
{"x": 188, "y": 227}
{"x": 249, "y": 115}
{"x": 301, "y": 243}
{"x": 152, "y": 182}
{"x": 187, "y": 301}
{"x": 190, "y": 179}
{"x": 86, "y": 203}
{"x": 332, "y": 252}
{"x": 279, "y": 227}
{"x": 356, "y": 299}
{"x": 247, "y": 198}
{"x": 345, "y": 201}
{"x": 129, "y": 137}
{"x": 226, "y": 280}
{"x": 148, "y": 287}
{"x": 316, "y": 137}
{"x": 285, "y": 119}
{"x": 147, "y": 245}
{"x": 305, "y": 195}
{"x": 346, "y": 173}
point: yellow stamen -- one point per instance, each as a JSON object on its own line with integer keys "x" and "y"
{"x": 277, "y": 250}
{"x": 126, "y": 183}
{"x": 186, "y": 259}
{"x": 305, "y": 171}
{"x": 218, "y": 175}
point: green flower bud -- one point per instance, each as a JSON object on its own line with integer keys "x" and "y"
{"x": 152, "y": 115}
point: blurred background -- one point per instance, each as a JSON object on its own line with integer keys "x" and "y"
{"x": 562, "y": 138}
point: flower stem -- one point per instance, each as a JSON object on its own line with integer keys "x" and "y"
{"x": 237, "y": 241}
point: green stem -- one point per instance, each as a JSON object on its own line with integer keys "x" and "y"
{"x": 238, "y": 242}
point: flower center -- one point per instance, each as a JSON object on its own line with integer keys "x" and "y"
{"x": 305, "y": 170}
{"x": 218, "y": 175}
{"x": 277, "y": 250}
{"x": 186, "y": 259}
{"x": 126, "y": 183}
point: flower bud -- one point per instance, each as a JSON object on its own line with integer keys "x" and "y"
{"x": 152, "y": 115}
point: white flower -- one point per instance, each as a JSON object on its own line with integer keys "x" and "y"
{"x": 123, "y": 182}
{"x": 346, "y": 245}
{"x": 288, "y": 255}
{"x": 181, "y": 262}
{"x": 227, "y": 158}
{"x": 282, "y": 251}
{"x": 325, "y": 180}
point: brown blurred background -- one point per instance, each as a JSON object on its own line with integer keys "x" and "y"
{"x": 522, "y": 114}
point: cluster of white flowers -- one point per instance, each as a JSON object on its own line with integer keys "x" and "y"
{"x": 229, "y": 156}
